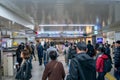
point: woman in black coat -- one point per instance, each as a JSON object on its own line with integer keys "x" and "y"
{"x": 24, "y": 72}
{"x": 18, "y": 53}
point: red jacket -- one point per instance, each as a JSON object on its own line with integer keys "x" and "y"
{"x": 100, "y": 62}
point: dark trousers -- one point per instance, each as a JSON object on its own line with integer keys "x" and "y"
{"x": 117, "y": 75}
{"x": 30, "y": 59}
{"x": 33, "y": 55}
{"x": 101, "y": 76}
{"x": 40, "y": 60}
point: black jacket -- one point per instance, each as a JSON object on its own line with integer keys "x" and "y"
{"x": 40, "y": 51}
{"x": 91, "y": 51}
{"x": 117, "y": 57}
{"x": 107, "y": 51}
{"x": 82, "y": 67}
{"x": 24, "y": 72}
{"x": 71, "y": 53}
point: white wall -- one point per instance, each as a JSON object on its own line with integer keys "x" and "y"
{"x": 111, "y": 37}
{"x": 117, "y": 36}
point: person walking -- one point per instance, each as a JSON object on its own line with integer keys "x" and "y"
{"x": 33, "y": 50}
{"x": 82, "y": 66}
{"x": 103, "y": 63}
{"x": 71, "y": 54}
{"x": 18, "y": 53}
{"x": 113, "y": 47}
{"x": 117, "y": 60}
{"x": 66, "y": 49}
{"x": 40, "y": 52}
{"x": 54, "y": 70}
{"x": 90, "y": 49}
{"x": 24, "y": 72}
{"x": 28, "y": 47}
{"x": 52, "y": 48}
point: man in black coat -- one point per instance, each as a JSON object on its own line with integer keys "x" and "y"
{"x": 82, "y": 66}
{"x": 40, "y": 52}
{"x": 117, "y": 60}
{"x": 90, "y": 49}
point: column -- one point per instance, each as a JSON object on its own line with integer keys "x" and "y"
{"x": 111, "y": 15}
{"x": 117, "y": 12}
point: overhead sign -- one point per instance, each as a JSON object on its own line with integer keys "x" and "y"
{"x": 59, "y": 35}
{"x": 29, "y": 31}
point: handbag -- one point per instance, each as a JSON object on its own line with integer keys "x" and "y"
{"x": 19, "y": 74}
{"x": 23, "y": 72}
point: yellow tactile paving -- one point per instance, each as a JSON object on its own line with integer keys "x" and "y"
{"x": 109, "y": 76}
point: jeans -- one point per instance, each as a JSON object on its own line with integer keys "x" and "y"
{"x": 101, "y": 76}
{"x": 31, "y": 59}
{"x": 117, "y": 75}
{"x": 69, "y": 64}
{"x": 45, "y": 63}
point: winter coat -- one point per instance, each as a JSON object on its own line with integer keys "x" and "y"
{"x": 82, "y": 67}
{"x": 24, "y": 72}
{"x": 71, "y": 53}
{"x": 117, "y": 57}
{"x": 100, "y": 62}
{"x": 33, "y": 49}
{"x": 18, "y": 54}
{"x": 54, "y": 71}
{"x": 91, "y": 50}
{"x": 40, "y": 50}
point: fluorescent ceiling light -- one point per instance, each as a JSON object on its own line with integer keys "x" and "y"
{"x": 47, "y": 25}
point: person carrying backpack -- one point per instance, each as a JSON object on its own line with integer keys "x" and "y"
{"x": 103, "y": 64}
{"x": 117, "y": 60}
{"x": 82, "y": 66}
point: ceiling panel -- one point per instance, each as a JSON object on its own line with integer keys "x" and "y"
{"x": 65, "y": 11}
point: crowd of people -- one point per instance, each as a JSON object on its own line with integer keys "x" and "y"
{"x": 84, "y": 61}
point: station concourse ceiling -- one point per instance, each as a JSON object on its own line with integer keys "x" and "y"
{"x": 62, "y": 11}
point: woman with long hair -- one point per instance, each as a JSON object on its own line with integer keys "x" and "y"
{"x": 24, "y": 72}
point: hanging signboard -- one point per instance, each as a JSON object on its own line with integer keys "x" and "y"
{"x": 99, "y": 40}
{"x": 29, "y": 31}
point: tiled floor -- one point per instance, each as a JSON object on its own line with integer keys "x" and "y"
{"x": 37, "y": 70}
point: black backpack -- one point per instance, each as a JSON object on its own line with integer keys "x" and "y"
{"x": 107, "y": 65}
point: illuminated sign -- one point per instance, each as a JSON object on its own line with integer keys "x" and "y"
{"x": 99, "y": 40}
